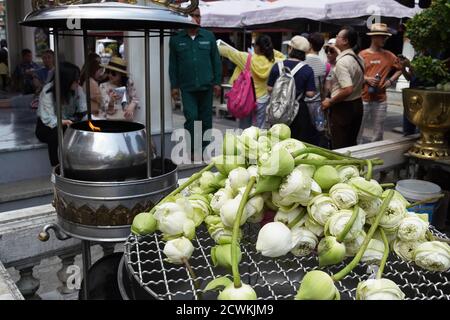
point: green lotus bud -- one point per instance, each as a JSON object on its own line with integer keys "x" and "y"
{"x": 226, "y": 163}
{"x": 344, "y": 195}
{"x": 264, "y": 145}
{"x": 321, "y": 208}
{"x": 433, "y": 256}
{"x": 330, "y": 251}
{"x": 367, "y": 190}
{"x": 379, "y": 289}
{"x": 280, "y": 163}
{"x": 245, "y": 292}
{"x": 221, "y": 256}
{"x": 144, "y": 224}
{"x": 207, "y": 180}
{"x": 412, "y": 228}
{"x": 405, "y": 249}
{"x": 274, "y": 240}
{"x": 347, "y": 172}
{"x": 178, "y": 250}
{"x": 230, "y": 145}
{"x": 280, "y": 131}
{"x": 252, "y": 133}
{"x": 268, "y": 184}
{"x": 317, "y": 285}
{"x": 326, "y": 177}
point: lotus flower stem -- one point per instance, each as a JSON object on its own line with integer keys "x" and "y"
{"x": 387, "y": 185}
{"x": 193, "y": 276}
{"x": 324, "y": 153}
{"x": 349, "y": 224}
{"x": 369, "y": 170}
{"x": 297, "y": 219}
{"x": 336, "y": 162}
{"x": 191, "y": 180}
{"x": 234, "y": 238}
{"x": 341, "y": 274}
{"x": 345, "y": 155}
{"x": 429, "y": 200}
{"x": 385, "y": 253}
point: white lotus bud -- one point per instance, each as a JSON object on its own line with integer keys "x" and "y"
{"x": 274, "y": 240}
{"x": 178, "y": 249}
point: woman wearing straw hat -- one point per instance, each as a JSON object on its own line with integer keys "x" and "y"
{"x": 118, "y": 93}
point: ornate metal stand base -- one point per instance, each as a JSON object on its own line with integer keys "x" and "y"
{"x": 422, "y": 151}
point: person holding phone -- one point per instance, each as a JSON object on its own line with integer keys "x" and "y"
{"x": 119, "y": 98}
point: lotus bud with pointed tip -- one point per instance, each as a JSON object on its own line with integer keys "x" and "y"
{"x": 326, "y": 176}
{"x": 344, "y": 195}
{"x": 228, "y": 212}
{"x": 245, "y": 292}
{"x": 178, "y": 250}
{"x": 379, "y": 289}
{"x": 317, "y": 285}
{"x": 144, "y": 224}
{"x": 330, "y": 251}
{"x": 274, "y": 240}
{"x": 280, "y": 163}
{"x": 280, "y": 131}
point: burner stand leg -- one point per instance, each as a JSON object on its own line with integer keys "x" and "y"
{"x": 86, "y": 255}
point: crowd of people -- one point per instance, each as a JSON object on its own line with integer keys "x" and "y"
{"x": 349, "y": 87}
{"x": 112, "y": 92}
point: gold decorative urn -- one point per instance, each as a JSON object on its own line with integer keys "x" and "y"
{"x": 430, "y": 111}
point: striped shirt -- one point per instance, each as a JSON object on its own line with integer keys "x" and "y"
{"x": 319, "y": 68}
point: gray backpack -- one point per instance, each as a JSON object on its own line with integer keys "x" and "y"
{"x": 283, "y": 106}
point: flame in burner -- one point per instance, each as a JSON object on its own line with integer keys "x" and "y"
{"x": 94, "y": 128}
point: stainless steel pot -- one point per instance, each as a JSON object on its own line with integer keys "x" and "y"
{"x": 117, "y": 153}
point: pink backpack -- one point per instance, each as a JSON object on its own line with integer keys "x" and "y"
{"x": 241, "y": 99}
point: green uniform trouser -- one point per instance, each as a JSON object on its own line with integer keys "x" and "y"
{"x": 197, "y": 106}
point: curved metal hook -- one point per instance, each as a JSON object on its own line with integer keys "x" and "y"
{"x": 44, "y": 235}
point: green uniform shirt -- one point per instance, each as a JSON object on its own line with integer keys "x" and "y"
{"x": 194, "y": 64}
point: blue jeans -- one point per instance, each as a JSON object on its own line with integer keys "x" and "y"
{"x": 257, "y": 118}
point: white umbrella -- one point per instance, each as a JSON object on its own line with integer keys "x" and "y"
{"x": 224, "y": 14}
{"x": 347, "y": 9}
{"x": 283, "y": 10}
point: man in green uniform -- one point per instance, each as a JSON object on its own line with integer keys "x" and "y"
{"x": 195, "y": 69}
